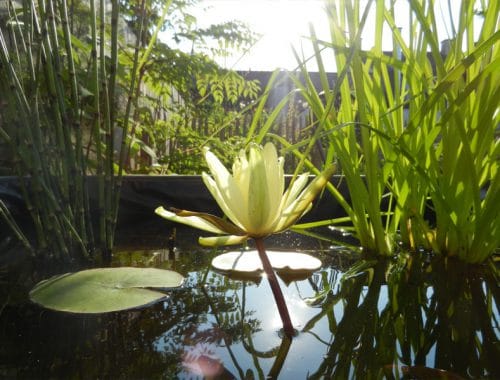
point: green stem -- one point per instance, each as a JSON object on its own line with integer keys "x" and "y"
{"x": 275, "y": 287}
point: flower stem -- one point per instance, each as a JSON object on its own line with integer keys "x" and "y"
{"x": 275, "y": 287}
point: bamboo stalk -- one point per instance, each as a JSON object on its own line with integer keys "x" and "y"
{"x": 123, "y": 152}
{"x": 112, "y": 212}
{"x": 77, "y": 169}
{"x": 97, "y": 125}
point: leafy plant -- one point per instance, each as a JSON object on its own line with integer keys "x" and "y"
{"x": 412, "y": 129}
{"x": 82, "y": 95}
{"x": 46, "y": 113}
{"x": 178, "y": 90}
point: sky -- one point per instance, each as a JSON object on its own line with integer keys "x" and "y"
{"x": 285, "y": 23}
{"x": 281, "y": 23}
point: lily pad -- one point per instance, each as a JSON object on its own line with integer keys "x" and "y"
{"x": 105, "y": 290}
{"x": 283, "y": 262}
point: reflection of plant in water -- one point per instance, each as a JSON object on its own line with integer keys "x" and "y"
{"x": 394, "y": 319}
{"x": 464, "y": 305}
{"x": 400, "y": 318}
{"x": 119, "y": 345}
{"x": 239, "y": 323}
{"x": 325, "y": 300}
{"x": 412, "y": 313}
{"x": 230, "y": 314}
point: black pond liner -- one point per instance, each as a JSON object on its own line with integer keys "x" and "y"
{"x": 140, "y": 195}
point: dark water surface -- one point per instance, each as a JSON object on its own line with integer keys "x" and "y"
{"x": 401, "y": 319}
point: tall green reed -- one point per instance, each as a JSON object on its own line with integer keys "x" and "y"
{"x": 39, "y": 126}
{"x": 341, "y": 113}
{"x": 412, "y": 128}
{"x": 457, "y": 147}
{"x": 59, "y": 117}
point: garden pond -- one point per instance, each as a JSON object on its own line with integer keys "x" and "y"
{"x": 406, "y": 318}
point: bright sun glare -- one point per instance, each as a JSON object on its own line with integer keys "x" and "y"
{"x": 285, "y": 23}
{"x": 282, "y": 23}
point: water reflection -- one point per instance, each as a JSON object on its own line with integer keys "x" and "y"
{"x": 402, "y": 319}
{"x": 405, "y": 319}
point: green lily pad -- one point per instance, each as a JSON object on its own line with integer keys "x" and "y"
{"x": 105, "y": 290}
{"x": 283, "y": 262}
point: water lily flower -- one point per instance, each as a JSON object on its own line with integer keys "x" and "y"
{"x": 254, "y": 200}
{"x": 253, "y": 197}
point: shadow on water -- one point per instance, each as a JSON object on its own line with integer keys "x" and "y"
{"x": 410, "y": 318}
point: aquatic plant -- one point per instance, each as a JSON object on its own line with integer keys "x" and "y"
{"x": 414, "y": 130}
{"x": 254, "y": 200}
{"x": 253, "y": 197}
{"x": 104, "y": 290}
{"x": 59, "y": 116}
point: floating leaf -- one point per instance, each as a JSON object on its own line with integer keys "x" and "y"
{"x": 249, "y": 262}
{"x": 104, "y": 290}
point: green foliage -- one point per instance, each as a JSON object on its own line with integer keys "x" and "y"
{"x": 412, "y": 128}
{"x": 230, "y": 37}
{"x": 88, "y": 92}
{"x": 176, "y": 142}
{"x": 178, "y": 91}
{"x": 229, "y": 87}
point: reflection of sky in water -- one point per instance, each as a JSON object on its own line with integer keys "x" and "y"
{"x": 307, "y": 347}
{"x": 308, "y": 351}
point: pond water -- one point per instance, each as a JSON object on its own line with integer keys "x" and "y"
{"x": 398, "y": 319}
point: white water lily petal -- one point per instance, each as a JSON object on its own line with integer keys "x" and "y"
{"x": 302, "y": 203}
{"x": 216, "y": 241}
{"x": 258, "y": 197}
{"x": 290, "y": 216}
{"x": 275, "y": 182}
{"x": 193, "y": 221}
{"x": 220, "y": 199}
{"x": 228, "y": 194}
{"x": 241, "y": 174}
{"x": 294, "y": 190}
